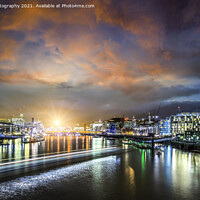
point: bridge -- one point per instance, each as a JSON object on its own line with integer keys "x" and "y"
{"x": 99, "y": 133}
{"x": 68, "y": 132}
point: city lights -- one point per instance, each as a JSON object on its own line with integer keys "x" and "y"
{"x": 100, "y": 99}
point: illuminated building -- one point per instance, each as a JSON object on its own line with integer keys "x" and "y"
{"x": 12, "y": 126}
{"x": 19, "y": 122}
{"x": 151, "y": 121}
{"x": 6, "y": 126}
{"x": 78, "y": 128}
{"x": 34, "y": 127}
{"x": 165, "y": 126}
{"x": 5, "y": 120}
{"x": 147, "y": 126}
{"x": 96, "y": 126}
{"x": 113, "y": 125}
{"x": 105, "y": 126}
{"x": 187, "y": 124}
{"x": 129, "y": 124}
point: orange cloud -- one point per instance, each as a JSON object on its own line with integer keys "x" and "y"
{"x": 8, "y": 49}
{"x": 166, "y": 55}
{"x": 29, "y": 19}
{"x": 151, "y": 69}
{"x": 99, "y": 60}
{"x": 37, "y": 77}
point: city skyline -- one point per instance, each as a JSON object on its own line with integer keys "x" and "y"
{"x": 119, "y": 58}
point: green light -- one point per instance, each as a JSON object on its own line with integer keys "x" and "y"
{"x": 143, "y": 163}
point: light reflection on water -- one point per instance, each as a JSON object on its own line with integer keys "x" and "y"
{"x": 138, "y": 174}
{"x": 179, "y": 171}
{"x": 52, "y": 145}
{"x": 185, "y": 171}
{"x": 30, "y": 185}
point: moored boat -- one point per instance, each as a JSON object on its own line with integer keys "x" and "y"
{"x": 137, "y": 144}
{"x": 31, "y": 139}
{"x": 39, "y": 139}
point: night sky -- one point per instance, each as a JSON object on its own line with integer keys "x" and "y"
{"x": 122, "y": 57}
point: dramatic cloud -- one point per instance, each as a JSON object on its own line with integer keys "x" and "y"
{"x": 121, "y": 57}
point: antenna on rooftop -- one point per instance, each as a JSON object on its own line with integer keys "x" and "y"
{"x": 179, "y": 109}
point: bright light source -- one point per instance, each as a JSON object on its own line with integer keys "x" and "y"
{"x": 57, "y": 122}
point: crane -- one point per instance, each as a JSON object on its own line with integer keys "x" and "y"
{"x": 158, "y": 110}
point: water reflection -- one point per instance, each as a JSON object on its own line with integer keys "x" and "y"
{"x": 179, "y": 170}
{"x": 143, "y": 162}
{"x": 58, "y": 144}
{"x": 130, "y": 173}
{"x": 27, "y": 151}
{"x": 87, "y": 143}
{"x": 52, "y": 145}
{"x": 136, "y": 174}
{"x": 38, "y": 184}
{"x": 185, "y": 171}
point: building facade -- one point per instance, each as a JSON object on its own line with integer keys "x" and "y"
{"x": 96, "y": 126}
{"x": 113, "y": 125}
{"x": 187, "y": 124}
{"x": 165, "y": 126}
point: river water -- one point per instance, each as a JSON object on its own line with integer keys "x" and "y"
{"x": 131, "y": 174}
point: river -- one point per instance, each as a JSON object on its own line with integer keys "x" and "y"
{"x": 127, "y": 174}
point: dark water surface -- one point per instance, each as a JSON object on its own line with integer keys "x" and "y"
{"x": 135, "y": 174}
{"x": 52, "y": 145}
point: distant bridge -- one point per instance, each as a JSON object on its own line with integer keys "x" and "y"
{"x": 81, "y": 132}
{"x": 92, "y": 133}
